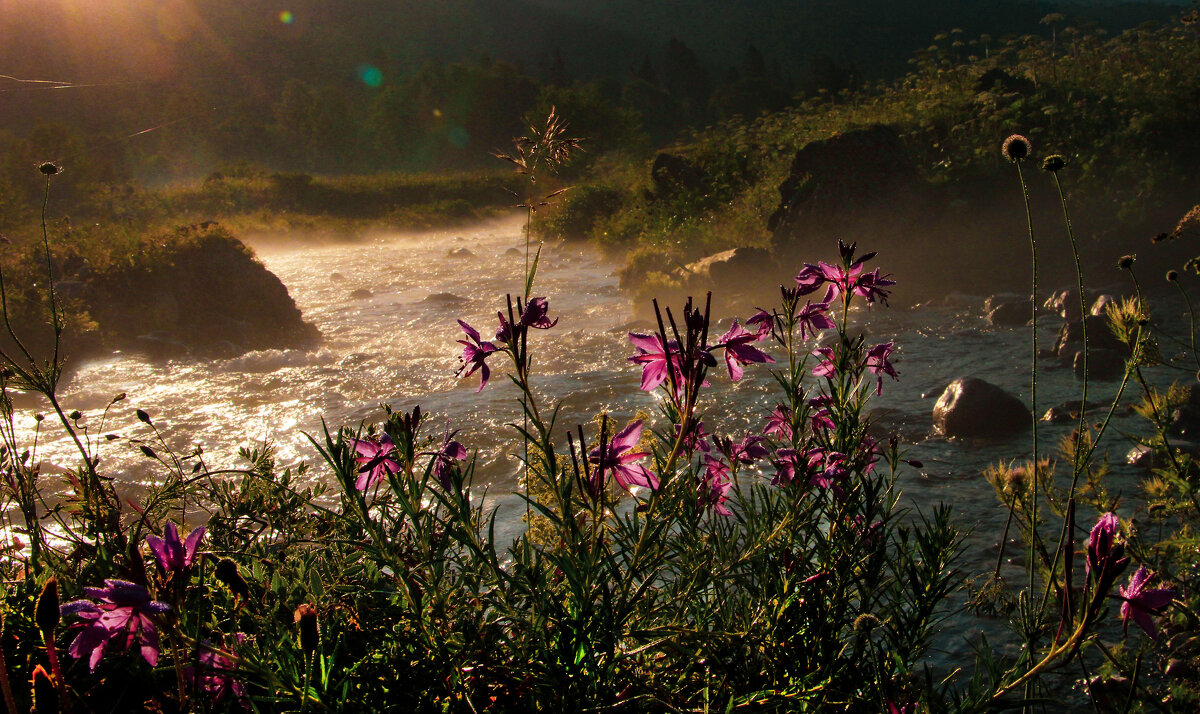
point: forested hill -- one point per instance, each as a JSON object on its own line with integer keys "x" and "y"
{"x": 265, "y": 43}
{"x": 364, "y": 85}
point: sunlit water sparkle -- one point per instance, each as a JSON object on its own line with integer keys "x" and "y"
{"x": 399, "y": 347}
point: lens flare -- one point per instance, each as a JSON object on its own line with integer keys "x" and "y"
{"x": 286, "y": 17}
{"x": 370, "y": 75}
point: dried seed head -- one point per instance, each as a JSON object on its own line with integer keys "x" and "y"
{"x": 1172, "y": 275}
{"x": 1126, "y": 262}
{"x": 1054, "y": 163}
{"x": 49, "y": 168}
{"x": 1016, "y": 147}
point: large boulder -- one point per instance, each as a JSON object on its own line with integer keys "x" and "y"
{"x": 730, "y": 270}
{"x": 199, "y": 288}
{"x": 971, "y": 407}
{"x": 844, "y": 178}
{"x": 1099, "y": 334}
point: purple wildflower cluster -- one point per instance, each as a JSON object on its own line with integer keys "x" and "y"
{"x": 378, "y": 457}
{"x": 1105, "y": 562}
{"x": 846, "y": 280}
{"x": 511, "y": 334}
{"x": 123, "y": 613}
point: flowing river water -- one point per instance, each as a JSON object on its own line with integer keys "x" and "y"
{"x": 398, "y": 346}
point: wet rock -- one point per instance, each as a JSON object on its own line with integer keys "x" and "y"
{"x": 360, "y": 294}
{"x": 160, "y": 345}
{"x": 460, "y": 253}
{"x": 995, "y": 301}
{"x": 1100, "y": 306}
{"x": 1103, "y": 365}
{"x": 444, "y": 299}
{"x": 1009, "y": 314}
{"x": 1185, "y": 421}
{"x": 971, "y": 407}
{"x": 1064, "y": 303}
{"x": 727, "y": 271}
{"x": 1141, "y": 456}
{"x": 1100, "y": 337}
{"x": 1057, "y": 415}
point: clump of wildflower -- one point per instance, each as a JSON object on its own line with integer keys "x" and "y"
{"x": 1016, "y": 147}
{"x": 123, "y": 613}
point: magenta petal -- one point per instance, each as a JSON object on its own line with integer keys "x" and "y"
{"x": 627, "y": 437}
{"x": 649, "y": 343}
{"x": 192, "y": 543}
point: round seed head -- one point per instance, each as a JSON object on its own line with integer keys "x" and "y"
{"x": 49, "y": 168}
{"x": 1126, "y": 262}
{"x": 1016, "y": 147}
{"x": 1172, "y": 275}
{"x": 1054, "y": 163}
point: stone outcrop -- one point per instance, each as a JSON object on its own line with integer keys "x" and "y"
{"x": 970, "y": 407}
{"x": 199, "y": 291}
{"x": 849, "y": 178}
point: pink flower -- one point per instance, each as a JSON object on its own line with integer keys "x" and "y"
{"x": 738, "y": 350}
{"x": 779, "y": 423}
{"x": 123, "y": 614}
{"x": 618, "y": 456}
{"x": 826, "y": 368}
{"x": 878, "y": 364}
{"x": 172, "y": 554}
{"x": 475, "y": 354}
{"x": 715, "y": 485}
{"x": 1139, "y": 603}
{"x": 374, "y": 457}
{"x": 653, "y": 357}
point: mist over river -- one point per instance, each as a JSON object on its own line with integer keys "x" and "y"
{"x": 398, "y": 346}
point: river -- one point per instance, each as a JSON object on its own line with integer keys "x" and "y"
{"x": 398, "y": 346}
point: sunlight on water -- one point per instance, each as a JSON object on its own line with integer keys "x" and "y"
{"x": 387, "y": 309}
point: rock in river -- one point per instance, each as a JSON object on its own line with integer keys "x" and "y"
{"x": 971, "y": 407}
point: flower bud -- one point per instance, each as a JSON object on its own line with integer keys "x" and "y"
{"x": 306, "y": 617}
{"x": 46, "y": 613}
{"x": 227, "y": 572}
